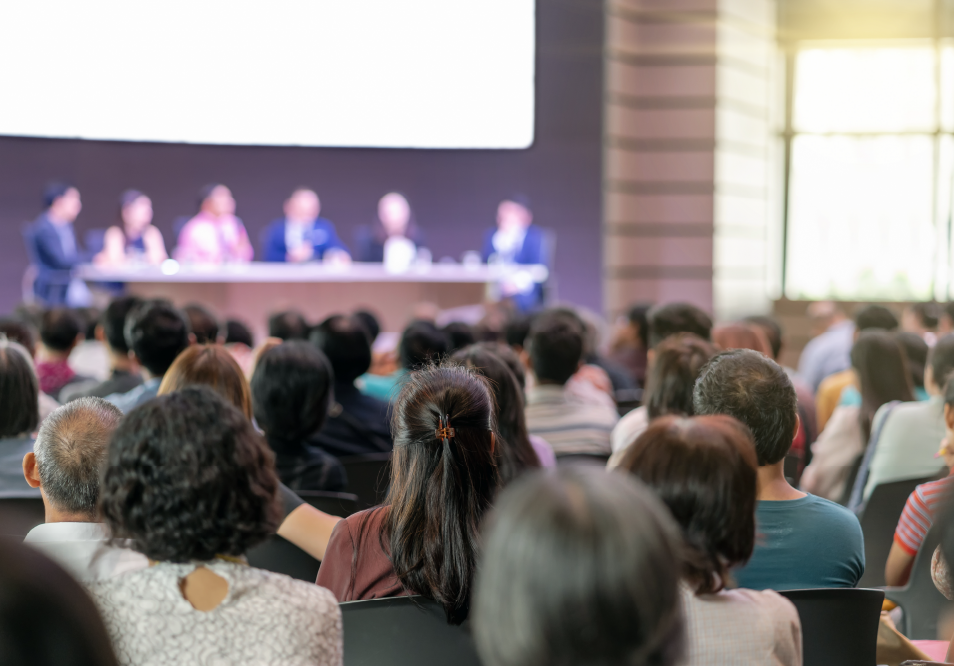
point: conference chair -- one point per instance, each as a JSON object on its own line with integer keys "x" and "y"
{"x": 19, "y": 515}
{"x": 922, "y": 604}
{"x": 839, "y": 625}
{"x": 404, "y": 631}
{"x": 369, "y": 476}
{"x": 879, "y": 519}
{"x": 582, "y": 460}
{"x": 282, "y": 556}
{"x": 336, "y": 504}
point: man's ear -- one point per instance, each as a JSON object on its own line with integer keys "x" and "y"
{"x": 30, "y": 471}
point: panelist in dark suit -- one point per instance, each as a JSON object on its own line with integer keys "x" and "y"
{"x": 395, "y": 239}
{"x": 53, "y": 244}
{"x": 517, "y": 241}
{"x": 302, "y": 235}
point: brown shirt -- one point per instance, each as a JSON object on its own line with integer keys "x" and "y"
{"x": 373, "y": 573}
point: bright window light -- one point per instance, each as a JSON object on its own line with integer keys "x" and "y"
{"x": 384, "y": 73}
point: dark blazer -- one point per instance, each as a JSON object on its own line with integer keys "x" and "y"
{"x": 323, "y": 237}
{"x": 369, "y": 247}
{"x": 53, "y": 261}
{"x": 360, "y": 427}
{"x": 533, "y": 251}
{"x": 309, "y": 468}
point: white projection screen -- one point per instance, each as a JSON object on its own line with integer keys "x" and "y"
{"x": 360, "y": 73}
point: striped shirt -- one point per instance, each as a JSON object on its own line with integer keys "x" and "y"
{"x": 567, "y": 423}
{"x": 919, "y": 512}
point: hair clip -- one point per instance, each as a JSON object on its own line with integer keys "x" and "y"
{"x": 444, "y": 431}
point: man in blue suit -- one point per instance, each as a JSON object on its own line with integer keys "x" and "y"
{"x": 302, "y": 235}
{"x": 517, "y": 241}
{"x": 54, "y": 248}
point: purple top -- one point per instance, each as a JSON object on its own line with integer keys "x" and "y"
{"x": 544, "y": 451}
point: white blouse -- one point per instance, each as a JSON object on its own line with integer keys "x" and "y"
{"x": 265, "y": 618}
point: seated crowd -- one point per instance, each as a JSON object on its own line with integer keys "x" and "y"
{"x": 165, "y": 445}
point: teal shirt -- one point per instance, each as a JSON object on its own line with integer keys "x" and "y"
{"x": 851, "y": 397}
{"x": 804, "y": 543}
{"x": 382, "y": 387}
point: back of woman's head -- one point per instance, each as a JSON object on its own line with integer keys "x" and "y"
{"x": 579, "y": 567}
{"x": 212, "y": 366}
{"x": 513, "y": 450}
{"x": 443, "y": 479}
{"x": 291, "y": 393}
{"x": 46, "y": 617}
{"x": 741, "y": 335}
{"x": 19, "y": 391}
{"x": 882, "y": 371}
{"x": 915, "y": 353}
{"x": 677, "y": 362}
{"x": 704, "y": 470}
{"x": 188, "y": 478}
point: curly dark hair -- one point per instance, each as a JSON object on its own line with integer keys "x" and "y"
{"x": 188, "y": 478}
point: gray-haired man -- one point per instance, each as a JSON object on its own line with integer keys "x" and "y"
{"x": 65, "y": 465}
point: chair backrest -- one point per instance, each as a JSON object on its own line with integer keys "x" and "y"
{"x": 19, "y": 515}
{"x": 839, "y": 625}
{"x": 582, "y": 460}
{"x": 919, "y": 599}
{"x": 878, "y": 523}
{"x": 404, "y": 631}
{"x": 282, "y": 556}
{"x": 369, "y": 476}
{"x": 336, "y": 504}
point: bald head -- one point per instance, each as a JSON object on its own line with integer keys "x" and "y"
{"x": 70, "y": 449}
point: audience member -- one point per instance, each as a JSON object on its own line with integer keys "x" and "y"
{"x": 617, "y": 375}
{"x": 705, "y": 470}
{"x": 288, "y": 325}
{"x": 214, "y": 235}
{"x": 24, "y": 334}
{"x": 923, "y": 505}
{"x": 907, "y": 445}
{"x": 945, "y": 322}
{"x": 291, "y": 394}
{"x": 90, "y": 357}
{"x": 19, "y": 417}
{"x": 828, "y": 352}
{"x": 631, "y": 343}
{"x": 421, "y": 343}
{"x": 741, "y": 335}
{"x": 211, "y": 366}
{"x": 302, "y": 235}
{"x": 202, "y": 323}
{"x": 514, "y": 451}
{"x": 459, "y": 335}
{"x": 516, "y": 330}
{"x": 192, "y": 484}
{"x": 155, "y": 332}
{"x": 672, "y": 318}
{"x": 65, "y": 465}
{"x": 46, "y": 617}
{"x": 237, "y": 333}
{"x": 394, "y": 239}
{"x": 831, "y": 392}
{"x": 138, "y": 241}
{"x": 916, "y": 352}
{"x": 806, "y": 541}
{"x": 590, "y": 383}
{"x": 370, "y": 322}
{"x": 54, "y": 248}
{"x": 878, "y": 361}
{"x": 677, "y": 361}
{"x": 60, "y": 331}
{"x": 357, "y": 423}
{"x": 579, "y": 568}
{"x": 569, "y": 424}
{"x": 443, "y": 478}
{"x": 123, "y": 371}
{"x": 921, "y": 318}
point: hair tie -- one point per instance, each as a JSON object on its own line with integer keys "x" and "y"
{"x": 444, "y": 430}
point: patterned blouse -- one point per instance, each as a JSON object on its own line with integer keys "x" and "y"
{"x": 265, "y": 618}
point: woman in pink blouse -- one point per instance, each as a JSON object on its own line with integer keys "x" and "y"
{"x": 214, "y": 235}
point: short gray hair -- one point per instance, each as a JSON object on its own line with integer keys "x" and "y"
{"x": 70, "y": 449}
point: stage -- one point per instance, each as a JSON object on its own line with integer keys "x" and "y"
{"x": 251, "y": 292}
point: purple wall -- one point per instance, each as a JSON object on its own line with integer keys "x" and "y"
{"x": 453, "y": 193}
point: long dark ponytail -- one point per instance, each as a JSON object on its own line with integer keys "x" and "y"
{"x": 443, "y": 480}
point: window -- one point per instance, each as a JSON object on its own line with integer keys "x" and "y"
{"x": 870, "y": 172}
